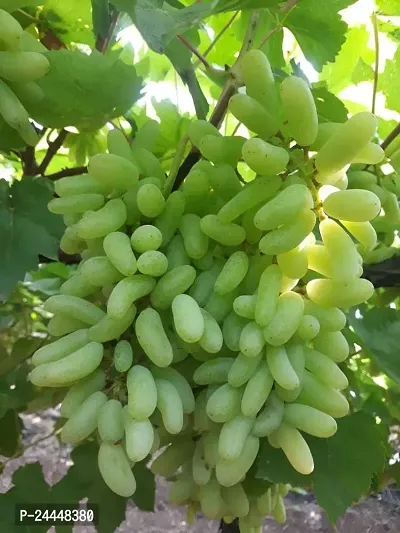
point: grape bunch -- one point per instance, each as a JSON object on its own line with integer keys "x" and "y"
{"x": 21, "y": 63}
{"x": 202, "y": 321}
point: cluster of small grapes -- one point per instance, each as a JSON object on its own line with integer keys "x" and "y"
{"x": 21, "y": 63}
{"x": 202, "y": 321}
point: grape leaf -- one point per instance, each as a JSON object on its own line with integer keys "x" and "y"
{"x": 379, "y": 333}
{"x": 389, "y": 82}
{"x": 27, "y": 229}
{"x": 311, "y": 21}
{"x": 71, "y": 21}
{"x": 85, "y": 91}
{"x": 144, "y": 496}
{"x": 388, "y": 7}
{"x": 100, "y": 17}
{"x": 337, "y": 74}
{"x": 12, "y": 5}
{"x": 329, "y": 107}
{"x": 9, "y": 138}
{"x": 236, "y": 5}
{"x": 344, "y": 464}
{"x": 22, "y": 349}
{"x": 362, "y": 72}
{"x": 10, "y": 433}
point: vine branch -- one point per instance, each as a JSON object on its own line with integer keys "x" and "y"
{"x": 54, "y": 146}
{"x": 391, "y": 137}
{"x": 217, "y": 37}
{"x": 194, "y": 50}
{"x": 376, "y": 73}
{"x": 101, "y": 42}
{"x": 67, "y": 172}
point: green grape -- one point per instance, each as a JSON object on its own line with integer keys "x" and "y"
{"x": 253, "y": 115}
{"x": 258, "y": 78}
{"x": 70, "y": 242}
{"x": 232, "y": 328}
{"x": 15, "y": 114}
{"x": 113, "y": 171}
{"x": 341, "y": 252}
{"x": 196, "y": 189}
{"x": 81, "y": 391}
{"x": 243, "y": 369}
{"x": 152, "y": 338}
{"x": 281, "y": 368}
{"x": 110, "y": 423}
{"x": 284, "y": 208}
{"x": 77, "y": 285}
{"x": 118, "y": 144}
{"x": 236, "y": 499}
{"x": 309, "y": 328}
{"x": 251, "y": 340}
{"x": 309, "y": 420}
{"x": 300, "y": 110}
{"x": 142, "y": 392}
{"x": 211, "y": 446}
{"x": 74, "y": 307}
{"x": 212, "y": 339}
{"x": 371, "y": 154}
{"x": 361, "y": 179}
{"x": 325, "y": 132}
{"x": 188, "y": 319}
{"x": 139, "y": 438}
{"x": 253, "y": 234}
{"x": 212, "y": 504}
{"x": 172, "y": 458}
{"x": 148, "y": 135}
{"x": 267, "y": 295}
{"x": 213, "y": 371}
{"x": 84, "y": 420}
{"x": 181, "y": 385}
{"x": 60, "y": 348}
{"x": 146, "y": 238}
{"x": 148, "y": 163}
{"x": 354, "y": 205}
{"x": 333, "y": 344}
{"x": 206, "y": 262}
{"x": 232, "y": 150}
{"x": 181, "y": 489}
{"x": 173, "y": 283}
{"x": 224, "y": 181}
{"x": 231, "y": 472}
{"x": 100, "y": 223}
{"x": 294, "y": 264}
{"x": 322, "y": 397}
{"x": 201, "y": 422}
{"x": 99, "y": 271}
{"x": 203, "y": 285}
{"x": 264, "y": 503}
{"x": 200, "y": 469}
{"x": 264, "y": 158}
{"x": 342, "y": 147}
{"x": 251, "y": 195}
{"x": 319, "y": 260}
{"x": 257, "y": 390}
{"x": 78, "y": 185}
{"x": 223, "y": 233}
{"x": 126, "y": 292}
{"x": 23, "y": 66}
{"x": 176, "y": 253}
{"x": 295, "y": 448}
{"x": 118, "y": 249}
{"x": 331, "y": 293}
{"x": 152, "y": 263}
{"x": 11, "y": 31}
{"x": 326, "y": 370}
{"x": 212, "y": 147}
{"x": 110, "y": 328}
{"x": 198, "y": 129}
{"x": 270, "y": 418}
{"x": 233, "y": 436}
{"x": 61, "y": 325}
{"x": 232, "y": 273}
{"x": 115, "y": 470}
{"x": 169, "y": 404}
{"x": 224, "y": 403}
{"x": 150, "y": 200}
{"x": 123, "y": 356}
{"x": 196, "y": 242}
{"x": 295, "y": 353}
{"x": 279, "y": 511}
{"x": 330, "y": 319}
{"x": 245, "y": 306}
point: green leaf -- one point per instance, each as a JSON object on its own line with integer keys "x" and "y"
{"x": 389, "y": 82}
{"x": 9, "y": 138}
{"x": 362, "y": 72}
{"x": 344, "y": 464}
{"x": 101, "y": 17}
{"x": 27, "y": 229}
{"x": 85, "y": 91}
{"x": 311, "y": 22}
{"x": 83, "y": 480}
{"x": 388, "y": 7}
{"x": 12, "y": 5}
{"x": 355, "y": 48}
{"x": 144, "y": 496}
{"x": 392, "y": 31}
{"x": 22, "y": 349}
{"x": 379, "y": 333}
{"x": 71, "y": 21}
{"x": 10, "y": 433}
{"x": 329, "y": 107}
